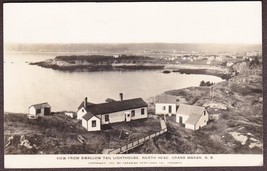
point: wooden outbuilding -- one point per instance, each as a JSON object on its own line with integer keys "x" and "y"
{"x": 40, "y": 109}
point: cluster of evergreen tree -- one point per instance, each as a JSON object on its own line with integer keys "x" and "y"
{"x": 208, "y": 83}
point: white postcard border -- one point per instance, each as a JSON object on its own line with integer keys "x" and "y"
{"x": 130, "y": 160}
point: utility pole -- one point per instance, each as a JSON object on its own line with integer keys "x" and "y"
{"x": 211, "y": 92}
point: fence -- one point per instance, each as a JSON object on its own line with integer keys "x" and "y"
{"x": 136, "y": 143}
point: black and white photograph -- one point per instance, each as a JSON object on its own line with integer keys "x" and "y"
{"x": 132, "y": 84}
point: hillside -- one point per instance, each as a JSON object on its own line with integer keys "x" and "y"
{"x": 236, "y": 113}
{"x": 57, "y": 134}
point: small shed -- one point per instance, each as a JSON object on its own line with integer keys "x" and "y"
{"x": 70, "y": 114}
{"x": 40, "y": 109}
{"x": 91, "y": 122}
{"x": 193, "y": 117}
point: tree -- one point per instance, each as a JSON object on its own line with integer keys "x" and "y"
{"x": 208, "y": 83}
{"x": 202, "y": 83}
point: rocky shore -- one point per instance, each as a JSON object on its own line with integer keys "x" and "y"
{"x": 109, "y": 63}
{"x": 100, "y": 63}
{"x": 235, "y": 107}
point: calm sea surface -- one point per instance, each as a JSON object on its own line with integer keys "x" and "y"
{"x": 25, "y": 84}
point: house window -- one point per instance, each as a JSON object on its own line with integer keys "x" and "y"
{"x": 142, "y": 111}
{"x": 38, "y": 111}
{"x": 133, "y": 113}
{"x": 106, "y": 118}
{"x": 204, "y": 113}
{"x": 164, "y": 108}
{"x": 93, "y": 123}
{"x": 82, "y": 110}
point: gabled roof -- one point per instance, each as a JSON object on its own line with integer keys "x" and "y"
{"x": 165, "y": 99}
{"x": 82, "y": 105}
{"x": 194, "y": 112}
{"x": 193, "y": 119}
{"x": 190, "y": 109}
{"x": 88, "y": 116}
{"x": 116, "y": 106}
{"x": 40, "y": 105}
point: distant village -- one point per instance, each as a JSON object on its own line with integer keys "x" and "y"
{"x": 179, "y": 57}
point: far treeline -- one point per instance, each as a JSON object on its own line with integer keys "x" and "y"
{"x": 133, "y": 47}
{"x": 102, "y": 58}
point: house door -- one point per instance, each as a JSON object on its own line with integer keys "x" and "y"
{"x": 46, "y": 111}
{"x": 180, "y": 119}
{"x": 170, "y": 109}
{"x": 127, "y": 116}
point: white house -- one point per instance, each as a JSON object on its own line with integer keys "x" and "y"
{"x": 193, "y": 117}
{"x": 165, "y": 104}
{"x": 95, "y": 115}
{"x": 82, "y": 108}
{"x": 40, "y": 109}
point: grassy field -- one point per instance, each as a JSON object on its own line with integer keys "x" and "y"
{"x": 57, "y": 134}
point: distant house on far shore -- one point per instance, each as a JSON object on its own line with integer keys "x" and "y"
{"x": 165, "y": 104}
{"x": 40, "y": 109}
{"x": 193, "y": 117}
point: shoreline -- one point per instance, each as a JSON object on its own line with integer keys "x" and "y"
{"x": 89, "y": 63}
{"x": 223, "y": 72}
{"x": 222, "y": 75}
{"x": 91, "y": 68}
{"x": 182, "y": 69}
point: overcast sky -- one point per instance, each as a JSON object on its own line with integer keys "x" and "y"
{"x": 212, "y": 22}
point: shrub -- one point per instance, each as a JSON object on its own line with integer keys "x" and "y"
{"x": 208, "y": 83}
{"x": 225, "y": 116}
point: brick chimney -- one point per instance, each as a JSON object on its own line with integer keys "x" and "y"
{"x": 85, "y": 102}
{"x": 121, "y": 96}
